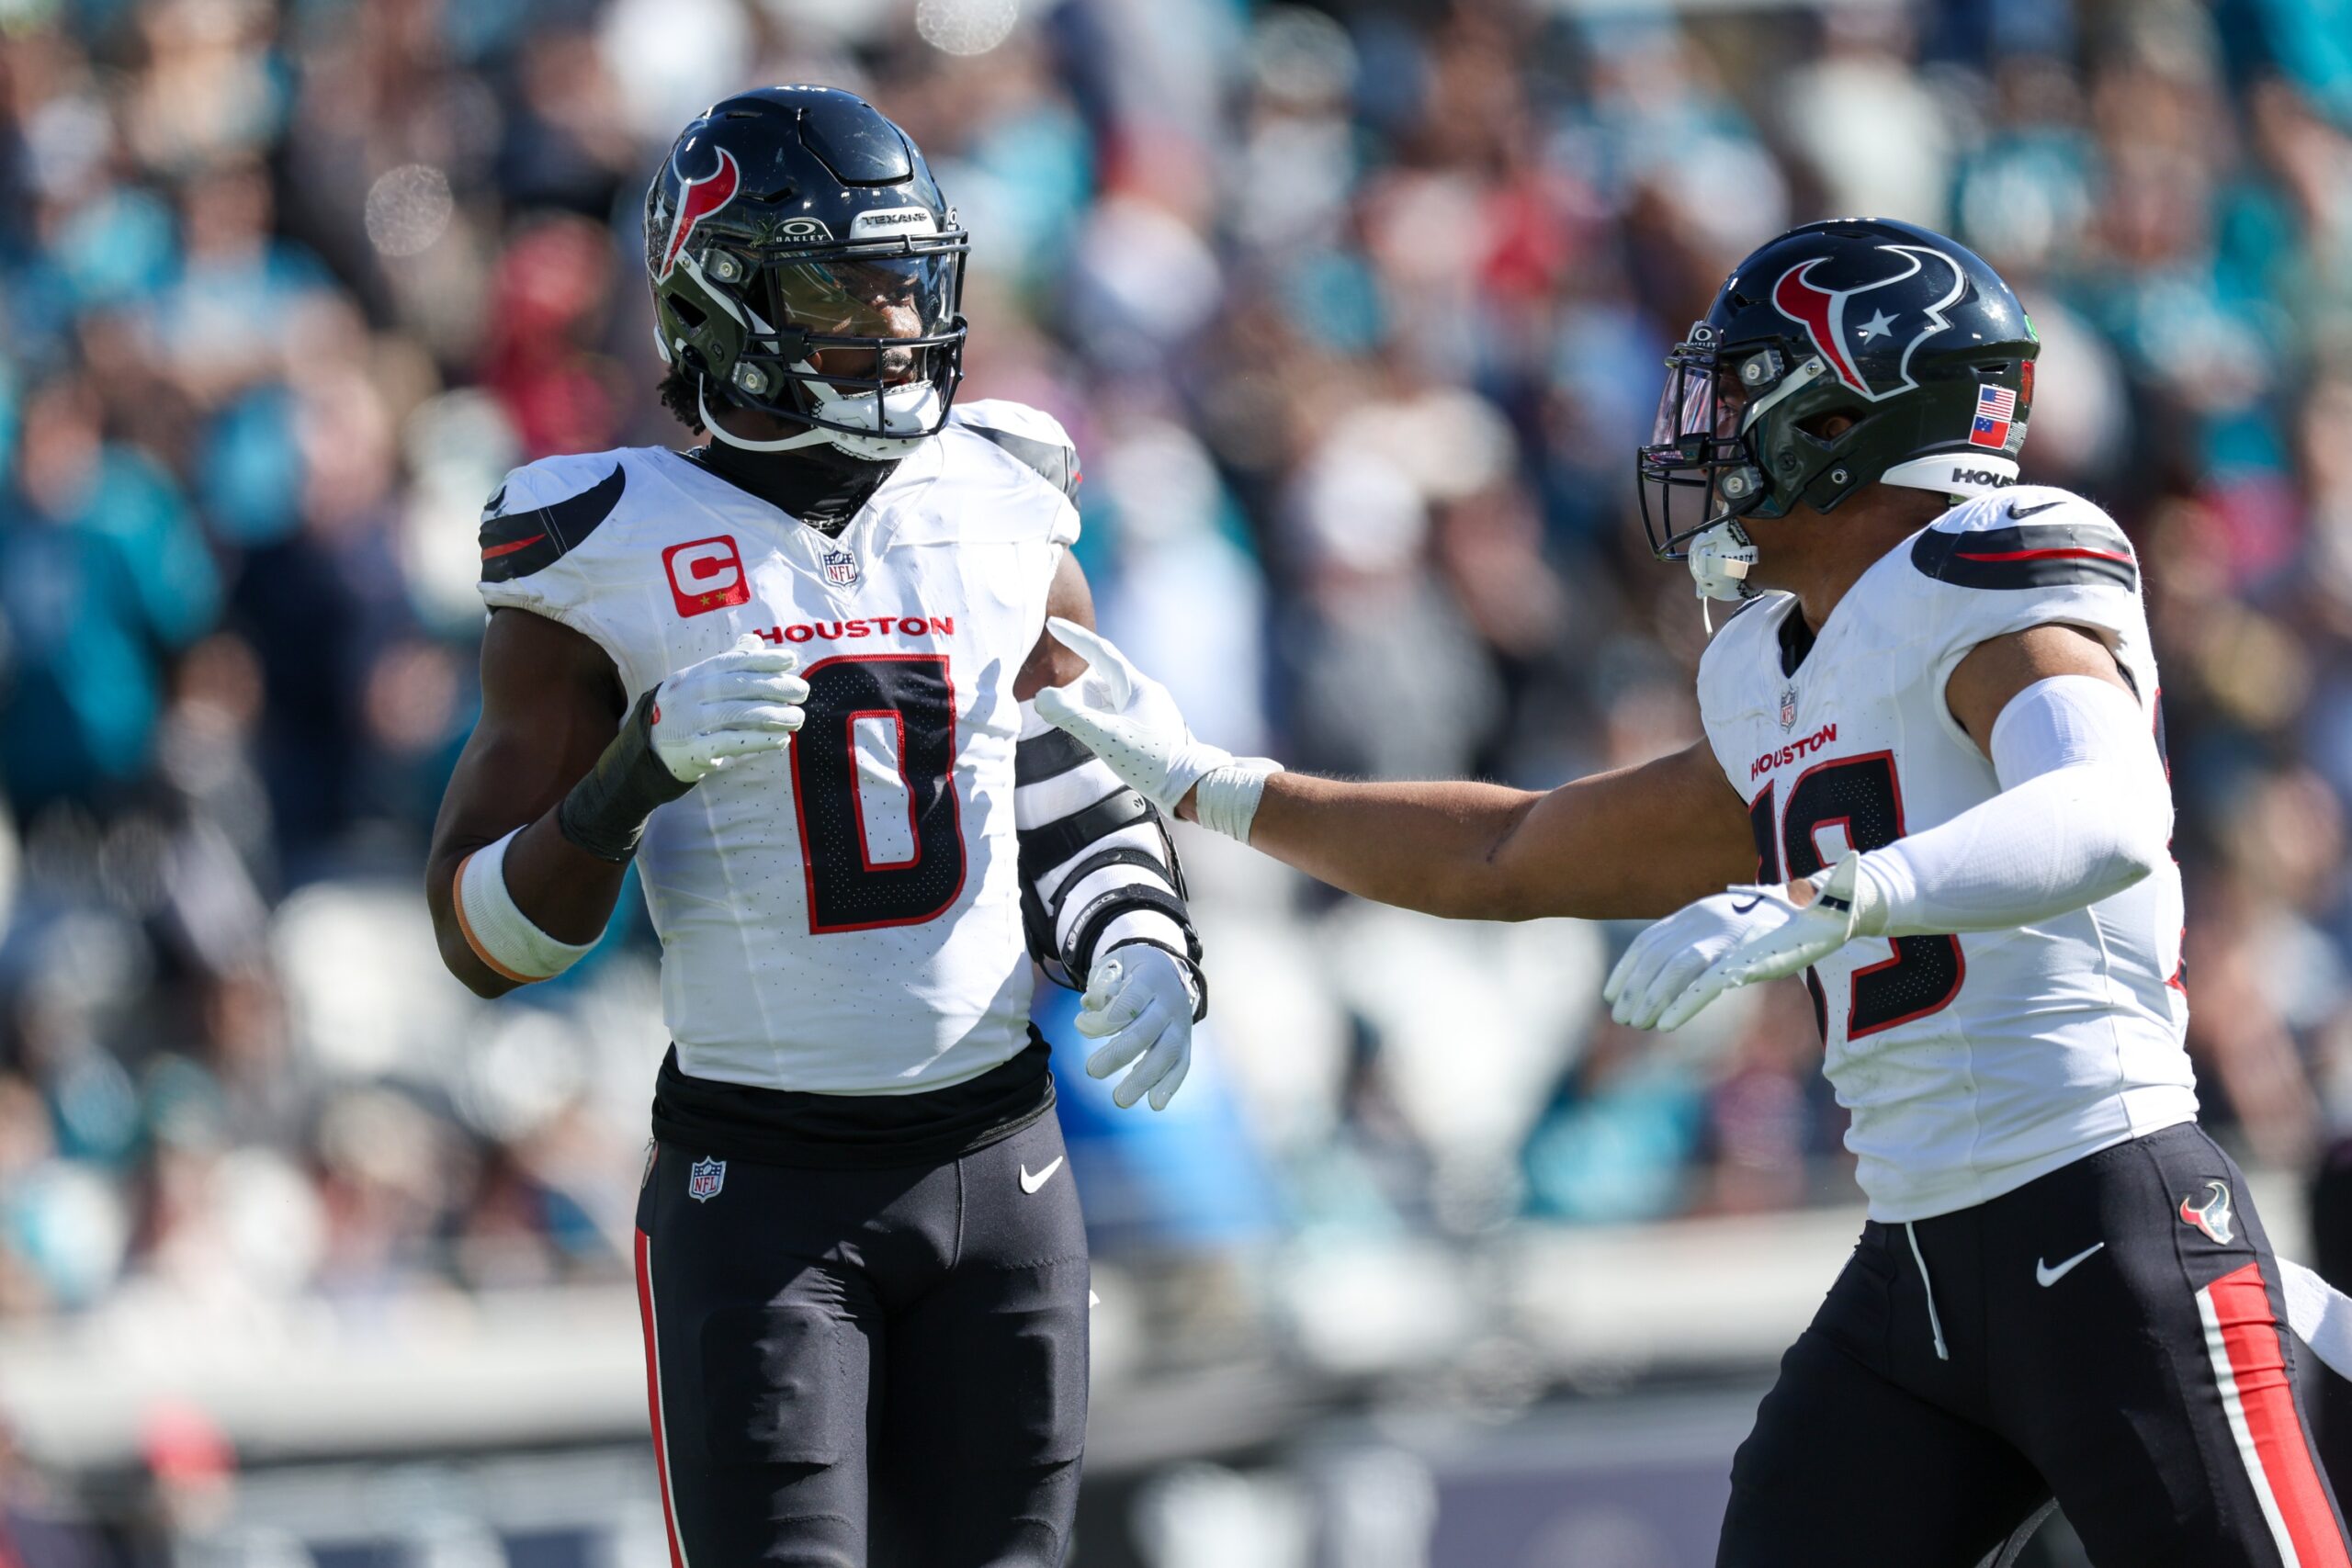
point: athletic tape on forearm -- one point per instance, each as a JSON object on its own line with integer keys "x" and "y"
{"x": 2085, "y": 812}
{"x": 495, "y": 927}
{"x": 605, "y": 812}
{"x": 1225, "y": 799}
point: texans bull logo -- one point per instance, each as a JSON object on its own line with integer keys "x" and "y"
{"x": 2213, "y": 1215}
{"x": 1852, "y": 328}
{"x": 699, "y": 195}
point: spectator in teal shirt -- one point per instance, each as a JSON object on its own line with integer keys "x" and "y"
{"x": 104, "y": 573}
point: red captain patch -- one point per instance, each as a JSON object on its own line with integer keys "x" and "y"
{"x": 705, "y": 575}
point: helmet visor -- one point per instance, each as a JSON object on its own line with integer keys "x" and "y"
{"x": 911, "y": 296}
{"x": 882, "y": 301}
{"x": 1694, "y": 444}
{"x": 1688, "y": 405}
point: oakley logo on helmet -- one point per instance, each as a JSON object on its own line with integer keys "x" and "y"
{"x": 803, "y": 229}
{"x": 699, "y": 197}
{"x": 1846, "y": 325}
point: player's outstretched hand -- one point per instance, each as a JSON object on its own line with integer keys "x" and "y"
{"x": 1727, "y": 939}
{"x": 1128, "y": 719}
{"x": 1138, "y": 1004}
{"x": 732, "y": 705}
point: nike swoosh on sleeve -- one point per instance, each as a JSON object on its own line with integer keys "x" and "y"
{"x": 2016, "y": 511}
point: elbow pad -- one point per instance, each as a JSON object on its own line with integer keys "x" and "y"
{"x": 1098, "y": 869}
{"x": 2085, "y": 812}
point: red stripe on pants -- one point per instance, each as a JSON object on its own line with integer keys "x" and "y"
{"x": 2259, "y": 1361}
{"x": 653, "y": 1394}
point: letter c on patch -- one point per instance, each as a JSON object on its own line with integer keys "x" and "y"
{"x": 705, "y": 575}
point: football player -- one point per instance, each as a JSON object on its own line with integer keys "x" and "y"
{"x": 1932, "y": 782}
{"x": 787, "y": 675}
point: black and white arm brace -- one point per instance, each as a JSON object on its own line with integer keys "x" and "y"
{"x": 1098, "y": 868}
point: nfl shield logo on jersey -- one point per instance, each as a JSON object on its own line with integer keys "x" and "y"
{"x": 704, "y": 1178}
{"x": 1788, "y": 707}
{"x": 841, "y": 568}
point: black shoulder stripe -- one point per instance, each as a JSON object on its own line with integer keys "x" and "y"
{"x": 2033, "y": 555}
{"x": 516, "y": 544}
{"x": 1056, "y": 465}
{"x": 1049, "y": 756}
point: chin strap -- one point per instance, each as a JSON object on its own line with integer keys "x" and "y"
{"x": 812, "y": 436}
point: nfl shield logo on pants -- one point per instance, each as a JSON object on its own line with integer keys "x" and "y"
{"x": 841, "y": 568}
{"x": 704, "y": 1178}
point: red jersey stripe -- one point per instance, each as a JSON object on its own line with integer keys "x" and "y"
{"x": 497, "y": 550}
{"x": 2045, "y": 555}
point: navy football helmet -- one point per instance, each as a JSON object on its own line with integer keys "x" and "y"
{"x": 1906, "y": 334}
{"x": 804, "y": 264}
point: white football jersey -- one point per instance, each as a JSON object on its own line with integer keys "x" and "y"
{"x": 844, "y": 915}
{"x": 1971, "y": 1063}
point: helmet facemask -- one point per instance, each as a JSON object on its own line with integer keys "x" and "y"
{"x": 862, "y": 343}
{"x": 1703, "y": 469}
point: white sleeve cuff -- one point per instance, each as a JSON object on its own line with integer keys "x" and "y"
{"x": 495, "y": 927}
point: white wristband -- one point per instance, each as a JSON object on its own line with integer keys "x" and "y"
{"x": 1226, "y": 798}
{"x": 495, "y": 927}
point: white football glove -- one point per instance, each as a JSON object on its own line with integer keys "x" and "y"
{"x": 1129, "y": 720}
{"x": 1139, "y": 1003}
{"x": 732, "y": 705}
{"x": 1730, "y": 938}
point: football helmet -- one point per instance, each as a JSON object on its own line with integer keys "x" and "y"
{"x": 1906, "y": 334}
{"x": 804, "y": 264}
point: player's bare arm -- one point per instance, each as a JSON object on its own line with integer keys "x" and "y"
{"x": 1629, "y": 844}
{"x": 1995, "y": 671}
{"x": 1049, "y": 663}
{"x": 555, "y": 786}
{"x": 550, "y": 704}
{"x": 1626, "y": 844}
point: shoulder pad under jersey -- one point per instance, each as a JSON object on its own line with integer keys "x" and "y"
{"x": 1031, "y": 435}
{"x": 2027, "y": 536}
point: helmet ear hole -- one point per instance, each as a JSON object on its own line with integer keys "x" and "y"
{"x": 1830, "y": 423}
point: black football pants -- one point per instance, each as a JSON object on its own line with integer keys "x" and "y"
{"x": 2112, "y": 1333}
{"x": 849, "y": 1366}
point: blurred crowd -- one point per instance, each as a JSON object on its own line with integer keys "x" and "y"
{"x": 1357, "y": 315}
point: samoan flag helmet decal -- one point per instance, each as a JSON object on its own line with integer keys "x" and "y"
{"x": 699, "y": 197}
{"x": 1830, "y": 317}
